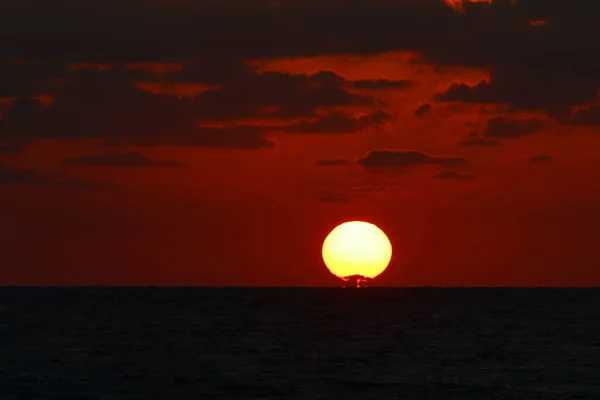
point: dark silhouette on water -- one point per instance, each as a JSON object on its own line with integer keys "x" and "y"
{"x": 356, "y": 281}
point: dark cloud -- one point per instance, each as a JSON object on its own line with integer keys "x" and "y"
{"x": 210, "y": 70}
{"x": 452, "y": 175}
{"x": 589, "y": 116}
{"x": 245, "y": 95}
{"x": 423, "y": 109}
{"x": 528, "y": 90}
{"x": 119, "y": 160}
{"x": 479, "y": 141}
{"x": 19, "y": 124}
{"x": 115, "y": 110}
{"x": 498, "y": 110}
{"x": 381, "y": 84}
{"x": 219, "y": 71}
{"x": 329, "y": 78}
{"x": 506, "y": 128}
{"x": 541, "y": 158}
{"x": 20, "y": 78}
{"x": 325, "y": 79}
{"x": 95, "y": 108}
{"x": 164, "y": 30}
{"x": 11, "y": 148}
{"x": 333, "y": 163}
{"x": 23, "y": 110}
{"x": 483, "y": 35}
{"x": 242, "y": 91}
{"x": 112, "y": 72}
{"x": 391, "y": 158}
{"x": 228, "y": 137}
{"x": 532, "y": 66}
{"x": 339, "y": 122}
{"x": 19, "y": 177}
{"x": 292, "y": 113}
{"x": 106, "y": 104}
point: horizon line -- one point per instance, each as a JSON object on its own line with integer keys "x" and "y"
{"x": 282, "y": 287}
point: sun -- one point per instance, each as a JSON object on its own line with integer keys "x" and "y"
{"x": 357, "y": 249}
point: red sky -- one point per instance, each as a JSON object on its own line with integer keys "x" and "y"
{"x": 187, "y": 159}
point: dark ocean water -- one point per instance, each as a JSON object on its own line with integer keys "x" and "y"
{"x": 299, "y": 343}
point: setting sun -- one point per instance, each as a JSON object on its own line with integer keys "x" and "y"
{"x": 357, "y": 249}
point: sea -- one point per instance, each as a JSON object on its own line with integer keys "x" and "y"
{"x": 299, "y": 343}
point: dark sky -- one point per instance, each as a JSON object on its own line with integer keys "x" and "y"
{"x": 217, "y": 142}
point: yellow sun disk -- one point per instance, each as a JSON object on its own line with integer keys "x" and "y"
{"x": 357, "y": 248}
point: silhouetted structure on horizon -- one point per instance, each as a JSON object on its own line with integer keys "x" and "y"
{"x": 356, "y": 281}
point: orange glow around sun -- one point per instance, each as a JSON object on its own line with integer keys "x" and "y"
{"x": 357, "y": 248}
